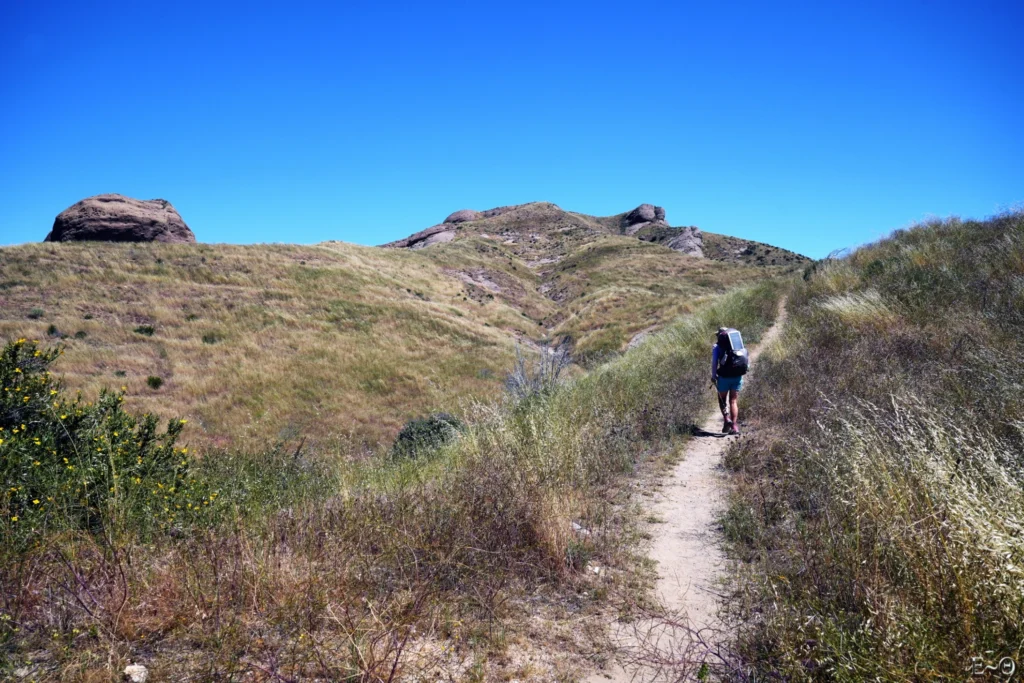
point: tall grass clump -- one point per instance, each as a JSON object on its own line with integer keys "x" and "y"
{"x": 366, "y": 566}
{"x": 880, "y": 506}
{"x": 532, "y": 379}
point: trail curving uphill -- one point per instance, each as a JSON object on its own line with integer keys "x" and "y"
{"x": 671, "y": 645}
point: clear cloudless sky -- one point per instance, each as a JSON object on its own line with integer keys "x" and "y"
{"x": 809, "y": 125}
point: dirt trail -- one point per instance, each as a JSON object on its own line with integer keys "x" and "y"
{"x": 688, "y": 551}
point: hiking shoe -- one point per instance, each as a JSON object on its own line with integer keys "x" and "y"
{"x": 727, "y": 426}
{"x": 733, "y": 429}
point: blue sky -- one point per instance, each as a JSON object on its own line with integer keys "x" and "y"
{"x": 812, "y": 126}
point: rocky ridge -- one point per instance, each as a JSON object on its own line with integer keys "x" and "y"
{"x": 539, "y": 226}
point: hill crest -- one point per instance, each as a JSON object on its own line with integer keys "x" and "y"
{"x": 542, "y": 233}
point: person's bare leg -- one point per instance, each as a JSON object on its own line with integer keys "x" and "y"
{"x": 723, "y": 404}
{"x": 734, "y": 406}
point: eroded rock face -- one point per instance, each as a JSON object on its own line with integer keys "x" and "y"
{"x": 641, "y": 217}
{"x": 424, "y": 238}
{"x": 116, "y": 218}
{"x": 688, "y": 241}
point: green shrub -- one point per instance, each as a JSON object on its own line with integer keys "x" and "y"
{"x": 154, "y": 382}
{"x": 52, "y": 331}
{"x": 36, "y": 313}
{"x": 80, "y": 334}
{"x": 68, "y": 463}
{"x": 146, "y": 330}
{"x": 211, "y": 338}
{"x": 426, "y": 433}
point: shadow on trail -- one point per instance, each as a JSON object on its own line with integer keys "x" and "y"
{"x": 697, "y": 431}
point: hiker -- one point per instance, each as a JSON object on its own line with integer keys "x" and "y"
{"x": 729, "y": 363}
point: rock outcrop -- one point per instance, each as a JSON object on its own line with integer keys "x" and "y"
{"x": 463, "y": 216}
{"x": 641, "y": 217}
{"x": 445, "y": 232}
{"x": 688, "y": 241}
{"x": 537, "y": 230}
{"x": 116, "y": 218}
{"x": 424, "y": 238}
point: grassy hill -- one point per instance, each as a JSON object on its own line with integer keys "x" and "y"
{"x": 334, "y": 557}
{"x": 457, "y": 561}
{"x": 736, "y": 250}
{"x": 259, "y": 343}
{"x": 881, "y": 496}
{"x": 337, "y": 343}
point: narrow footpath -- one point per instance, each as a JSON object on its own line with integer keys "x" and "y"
{"x": 688, "y": 550}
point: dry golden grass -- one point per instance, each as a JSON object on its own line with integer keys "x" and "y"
{"x": 334, "y": 343}
{"x": 309, "y": 567}
{"x": 616, "y": 287}
{"x": 880, "y": 495}
{"x": 331, "y": 342}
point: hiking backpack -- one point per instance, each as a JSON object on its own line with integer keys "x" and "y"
{"x": 736, "y": 362}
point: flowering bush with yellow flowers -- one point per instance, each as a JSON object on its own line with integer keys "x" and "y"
{"x": 66, "y": 463}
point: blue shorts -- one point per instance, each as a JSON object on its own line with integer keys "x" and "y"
{"x": 730, "y": 383}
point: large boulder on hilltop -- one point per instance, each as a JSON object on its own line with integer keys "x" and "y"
{"x": 116, "y": 218}
{"x": 463, "y": 216}
{"x": 645, "y": 213}
{"x": 641, "y": 217}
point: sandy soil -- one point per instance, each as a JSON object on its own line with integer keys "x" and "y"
{"x": 687, "y": 548}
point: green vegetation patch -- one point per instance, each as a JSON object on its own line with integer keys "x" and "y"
{"x": 426, "y": 433}
{"x": 68, "y": 464}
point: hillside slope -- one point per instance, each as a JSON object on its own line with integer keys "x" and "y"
{"x": 336, "y": 342}
{"x": 609, "y": 278}
{"x": 881, "y": 494}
